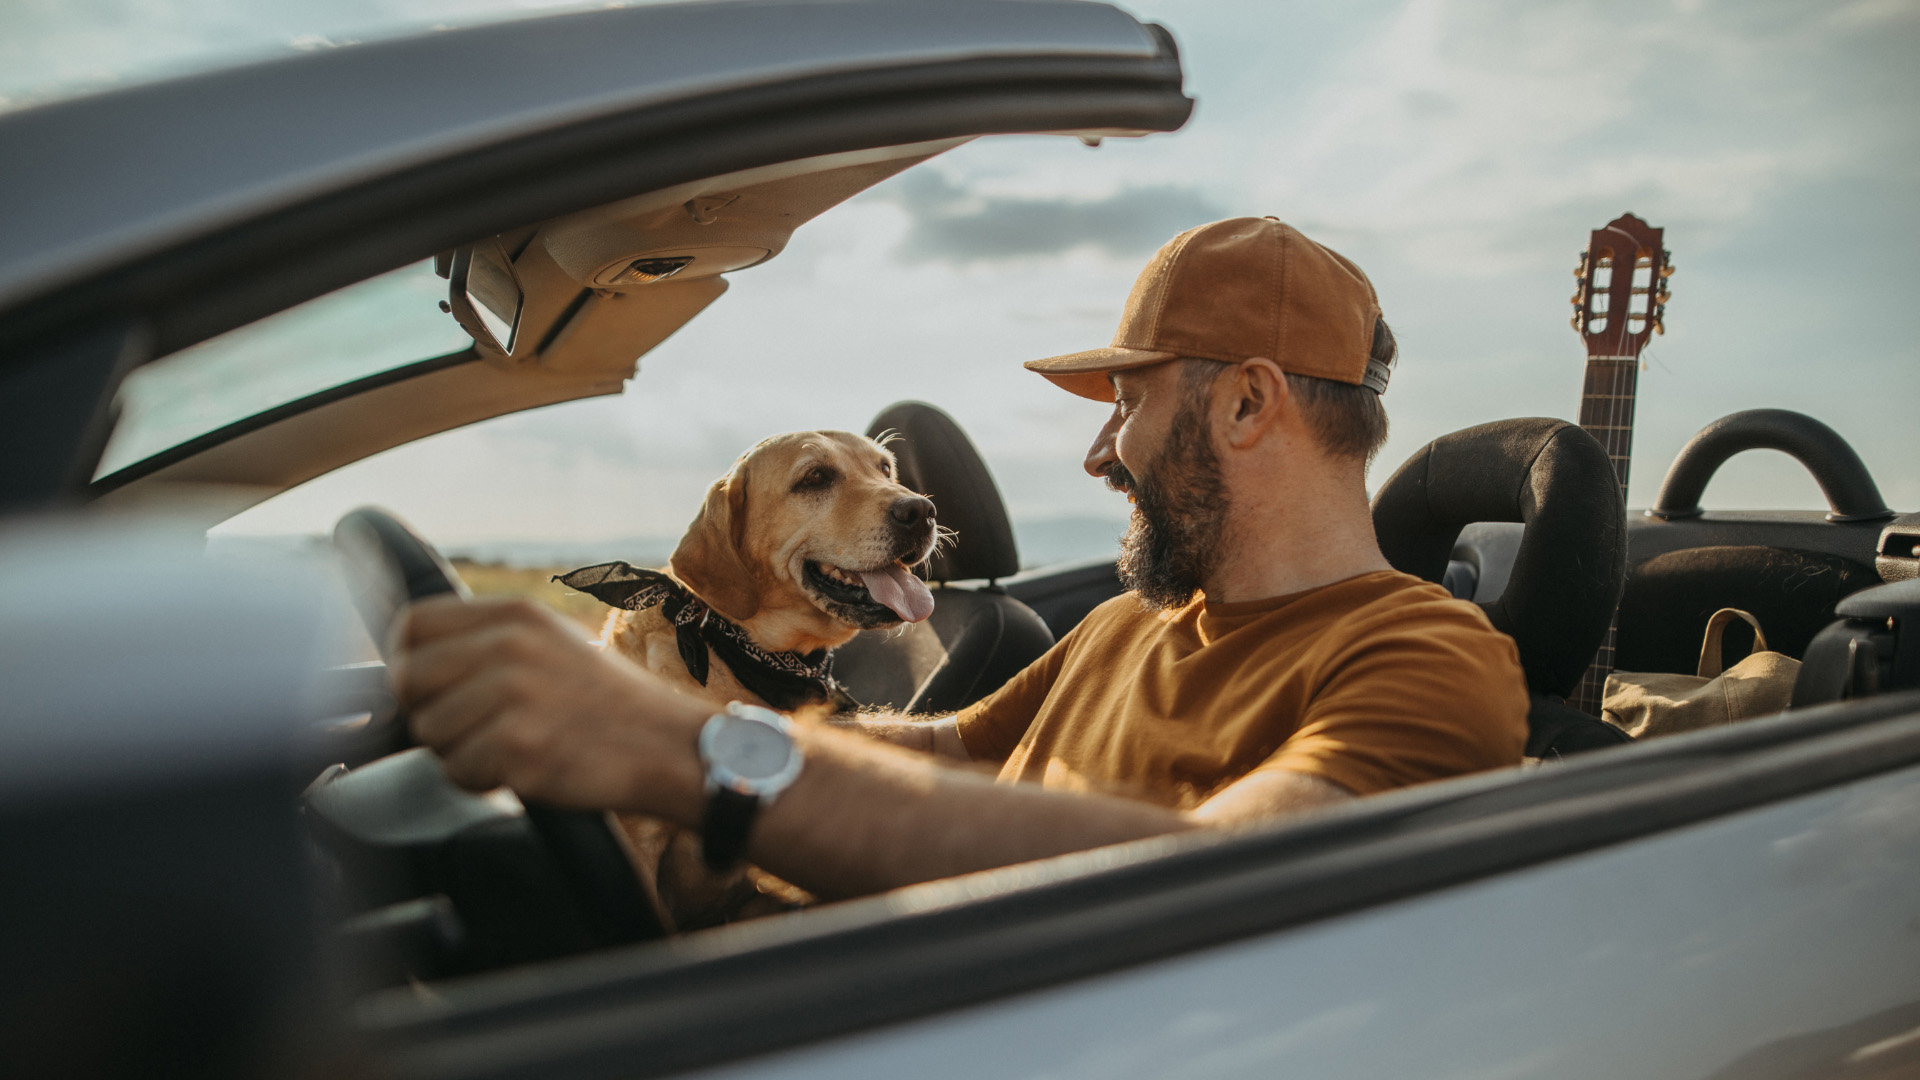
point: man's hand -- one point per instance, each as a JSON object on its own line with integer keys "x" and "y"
{"x": 507, "y": 694}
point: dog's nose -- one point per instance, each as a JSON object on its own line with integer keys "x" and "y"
{"x": 912, "y": 511}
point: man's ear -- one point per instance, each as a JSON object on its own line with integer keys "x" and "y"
{"x": 1256, "y": 397}
{"x": 709, "y": 559}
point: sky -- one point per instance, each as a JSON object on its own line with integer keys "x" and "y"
{"x": 1458, "y": 150}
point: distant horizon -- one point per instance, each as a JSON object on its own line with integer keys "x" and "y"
{"x": 1041, "y": 543}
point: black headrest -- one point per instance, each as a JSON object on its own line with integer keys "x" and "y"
{"x": 939, "y": 461}
{"x": 1573, "y": 557}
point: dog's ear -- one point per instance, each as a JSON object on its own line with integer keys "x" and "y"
{"x": 709, "y": 559}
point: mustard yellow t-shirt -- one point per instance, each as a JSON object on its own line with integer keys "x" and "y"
{"x": 1375, "y": 682}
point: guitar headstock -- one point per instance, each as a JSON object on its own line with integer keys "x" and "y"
{"x": 1622, "y": 292}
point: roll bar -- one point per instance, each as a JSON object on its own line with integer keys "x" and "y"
{"x": 1843, "y": 478}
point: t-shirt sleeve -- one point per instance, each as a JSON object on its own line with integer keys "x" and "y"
{"x": 991, "y": 727}
{"x": 1420, "y": 695}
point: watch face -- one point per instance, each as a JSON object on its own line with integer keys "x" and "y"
{"x": 751, "y": 750}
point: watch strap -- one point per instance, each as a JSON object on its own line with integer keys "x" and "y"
{"x": 724, "y": 827}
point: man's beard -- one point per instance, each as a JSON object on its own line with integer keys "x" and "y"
{"x": 1179, "y": 515}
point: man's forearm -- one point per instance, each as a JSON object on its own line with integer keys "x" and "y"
{"x": 938, "y": 735}
{"x": 864, "y": 818}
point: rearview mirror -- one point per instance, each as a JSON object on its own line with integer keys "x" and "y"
{"x": 485, "y": 296}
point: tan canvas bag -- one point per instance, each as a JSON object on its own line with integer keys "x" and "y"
{"x": 1649, "y": 704}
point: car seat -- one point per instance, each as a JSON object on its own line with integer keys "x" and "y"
{"x": 1567, "y": 575}
{"x": 978, "y": 637}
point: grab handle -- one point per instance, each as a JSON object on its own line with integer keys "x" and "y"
{"x": 1842, "y": 476}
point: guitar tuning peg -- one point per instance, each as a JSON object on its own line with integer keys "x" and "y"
{"x": 1663, "y": 298}
{"x": 1667, "y": 270}
{"x": 1659, "y": 327}
{"x": 1579, "y": 295}
{"x": 1575, "y": 323}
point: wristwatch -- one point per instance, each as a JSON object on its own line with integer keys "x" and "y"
{"x": 750, "y": 757}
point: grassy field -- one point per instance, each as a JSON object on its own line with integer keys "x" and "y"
{"x": 534, "y": 583}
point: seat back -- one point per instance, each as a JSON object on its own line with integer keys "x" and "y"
{"x": 978, "y": 637}
{"x": 1566, "y": 578}
{"x": 1669, "y": 597}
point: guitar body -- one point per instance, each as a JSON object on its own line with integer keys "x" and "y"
{"x": 1618, "y": 307}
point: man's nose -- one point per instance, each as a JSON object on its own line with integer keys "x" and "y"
{"x": 1103, "y": 455}
{"x": 911, "y": 511}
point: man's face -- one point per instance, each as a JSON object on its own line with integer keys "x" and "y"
{"x": 1157, "y": 447}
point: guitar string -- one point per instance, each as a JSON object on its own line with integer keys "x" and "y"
{"x": 1613, "y": 411}
{"x": 1594, "y": 411}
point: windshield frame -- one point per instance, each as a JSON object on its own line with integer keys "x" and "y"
{"x": 183, "y": 451}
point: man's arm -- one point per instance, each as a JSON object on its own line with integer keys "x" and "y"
{"x": 937, "y": 735}
{"x": 508, "y": 696}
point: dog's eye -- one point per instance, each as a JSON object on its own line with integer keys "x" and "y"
{"x": 818, "y": 478}
{"x": 886, "y": 469}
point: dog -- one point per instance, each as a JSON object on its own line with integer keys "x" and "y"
{"x": 809, "y": 539}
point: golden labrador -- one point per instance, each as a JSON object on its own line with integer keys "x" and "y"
{"x": 806, "y": 542}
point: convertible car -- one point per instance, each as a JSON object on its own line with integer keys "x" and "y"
{"x": 221, "y": 858}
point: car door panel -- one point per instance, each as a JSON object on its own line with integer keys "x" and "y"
{"x": 1693, "y": 954}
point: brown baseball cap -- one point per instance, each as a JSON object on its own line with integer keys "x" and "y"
{"x": 1234, "y": 290}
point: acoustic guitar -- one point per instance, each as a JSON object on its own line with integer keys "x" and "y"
{"x": 1618, "y": 305}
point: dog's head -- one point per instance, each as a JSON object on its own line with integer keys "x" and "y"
{"x": 808, "y": 540}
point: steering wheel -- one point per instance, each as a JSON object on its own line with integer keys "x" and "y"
{"x": 391, "y": 567}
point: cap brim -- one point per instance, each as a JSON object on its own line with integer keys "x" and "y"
{"x": 1085, "y": 373}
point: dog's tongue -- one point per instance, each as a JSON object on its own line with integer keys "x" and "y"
{"x": 897, "y": 588}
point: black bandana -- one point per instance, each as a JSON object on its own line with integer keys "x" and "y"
{"x": 784, "y": 680}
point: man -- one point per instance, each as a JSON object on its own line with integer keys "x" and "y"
{"x": 1266, "y": 660}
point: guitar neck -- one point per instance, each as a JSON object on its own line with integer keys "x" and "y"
{"x": 1617, "y": 306}
{"x": 1606, "y": 408}
{"x": 1606, "y": 412}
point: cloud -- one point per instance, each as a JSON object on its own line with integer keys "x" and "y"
{"x": 1464, "y": 132}
{"x": 953, "y": 223}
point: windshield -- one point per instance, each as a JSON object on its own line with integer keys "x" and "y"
{"x": 376, "y": 325}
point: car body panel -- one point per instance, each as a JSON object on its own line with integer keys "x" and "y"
{"x": 1635, "y": 960}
